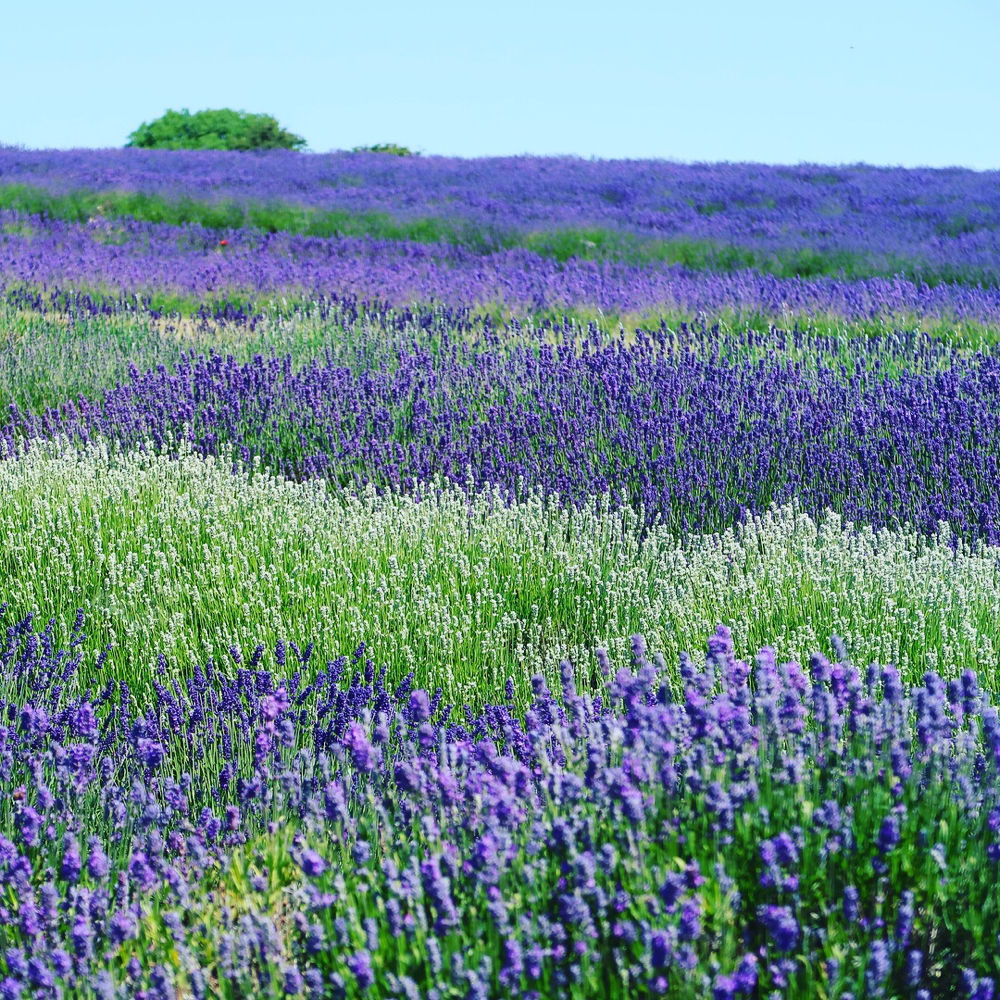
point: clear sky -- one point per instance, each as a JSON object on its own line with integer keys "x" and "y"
{"x": 779, "y": 81}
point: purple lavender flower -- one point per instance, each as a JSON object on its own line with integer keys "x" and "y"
{"x": 977, "y": 988}
{"x": 142, "y": 872}
{"x": 878, "y": 968}
{"x": 690, "y": 923}
{"x": 39, "y": 975}
{"x": 10, "y": 989}
{"x": 82, "y": 937}
{"x": 904, "y": 918}
{"x": 512, "y": 966}
{"x": 888, "y": 835}
{"x": 123, "y": 927}
{"x": 363, "y": 755}
{"x": 659, "y": 950}
{"x": 71, "y": 865}
{"x": 292, "y": 981}
{"x": 360, "y": 964}
{"x": 671, "y": 889}
{"x": 312, "y": 863}
{"x": 746, "y": 974}
{"x": 29, "y": 825}
{"x": 16, "y": 962}
{"x": 419, "y": 707}
{"x": 29, "y": 918}
{"x": 724, "y": 988}
{"x": 781, "y": 926}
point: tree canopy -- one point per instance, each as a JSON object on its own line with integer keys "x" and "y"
{"x": 214, "y": 129}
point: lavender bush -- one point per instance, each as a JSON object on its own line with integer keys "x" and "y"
{"x": 178, "y": 265}
{"x": 694, "y": 443}
{"x": 59, "y": 345}
{"x": 180, "y": 557}
{"x": 327, "y": 836}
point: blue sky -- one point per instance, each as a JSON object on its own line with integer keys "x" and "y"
{"x": 880, "y": 81}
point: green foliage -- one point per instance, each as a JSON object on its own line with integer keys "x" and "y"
{"x": 214, "y": 129}
{"x": 392, "y": 148}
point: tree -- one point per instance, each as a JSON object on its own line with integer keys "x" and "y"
{"x": 220, "y": 129}
{"x": 392, "y": 148}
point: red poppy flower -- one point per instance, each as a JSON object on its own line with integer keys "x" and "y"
{"x": 223, "y": 243}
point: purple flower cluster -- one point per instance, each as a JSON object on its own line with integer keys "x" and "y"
{"x": 695, "y": 441}
{"x": 948, "y": 220}
{"x": 634, "y": 843}
{"x": 125, "y": 256}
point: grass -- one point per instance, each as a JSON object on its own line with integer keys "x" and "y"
{"x": 81, "y": 205}
{"x": 48, "y": 358}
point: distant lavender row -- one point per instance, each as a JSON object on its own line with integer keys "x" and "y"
{"x": 694, "y": 442}
{"x": 947, "y": 218}
{"x": 143, "y": 258}
{"x": 249, "y": 836}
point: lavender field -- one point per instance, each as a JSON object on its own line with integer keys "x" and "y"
{"x": 433, "y": 578}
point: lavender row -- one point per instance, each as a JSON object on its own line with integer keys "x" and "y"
{"x": 332, "y": 837}
{"x": 694, "y": 442}
{"x": 944, "y": 219}
{"x": 130, "y": 257}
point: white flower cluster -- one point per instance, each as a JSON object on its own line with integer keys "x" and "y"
{"x": 180, "y": 556}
